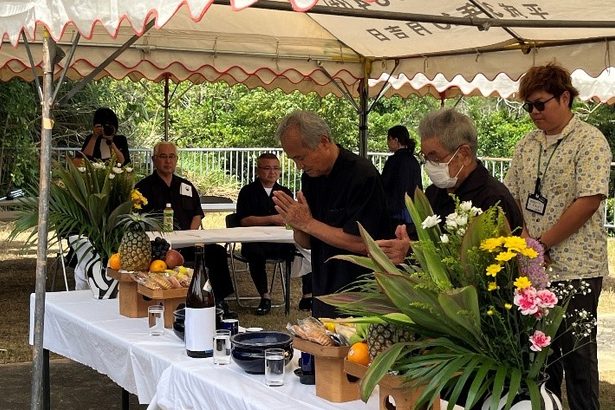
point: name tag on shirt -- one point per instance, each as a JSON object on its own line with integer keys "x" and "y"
{"x": 536, "y": 203}
{"x": 185, "y": 190}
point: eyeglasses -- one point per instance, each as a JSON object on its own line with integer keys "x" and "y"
{"x": 539, "y": 105}
{"x": 166, "y": 156}
{"x": 423, "y": 159}
{"x": 269, "y": 168}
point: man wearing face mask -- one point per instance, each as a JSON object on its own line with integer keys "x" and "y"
{"x": 448, "y": 150}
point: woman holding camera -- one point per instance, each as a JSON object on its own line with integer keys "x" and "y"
{"x": 103, "y": 143}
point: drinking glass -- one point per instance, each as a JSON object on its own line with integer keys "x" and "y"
{"x": 274, "y": 367}
{"x": 222, "y": 346}
{"x": 155, "y": 314}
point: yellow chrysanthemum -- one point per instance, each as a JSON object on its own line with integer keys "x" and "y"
{"x": 515, "y": 243}
{"x": 522, "y": 282}
{"x": 491, "y": 311}
{"x": 507, "y": 306}
{"x": 491, "y": 244}
{"x": 505, "y": 256}
{"x": 491, "y": 286}
{"x": 529, "y": 252}
{"x": 493, "y": 269}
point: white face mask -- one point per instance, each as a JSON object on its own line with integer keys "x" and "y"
{"x": 438, "y": 173}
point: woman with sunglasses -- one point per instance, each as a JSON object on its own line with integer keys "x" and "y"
{"x": 559, "y": 175}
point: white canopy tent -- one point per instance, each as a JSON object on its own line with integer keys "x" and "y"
{"x": 335, "y": 47}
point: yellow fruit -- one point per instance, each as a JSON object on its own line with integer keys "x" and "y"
{"x": 157, "y": 265}
{"x": 114, "y": 262}
{"x": 359, "y": 353}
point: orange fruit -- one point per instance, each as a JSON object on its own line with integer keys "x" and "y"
{"x": 157, "y": 265}
{"x": 359, "y": 353}
{"x": 114, "y": 261}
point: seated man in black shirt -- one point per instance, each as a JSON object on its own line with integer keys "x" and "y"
{"x": 256, "y": 208}
{"x": 448, "y": 148}
{"x": 163, "y": 187}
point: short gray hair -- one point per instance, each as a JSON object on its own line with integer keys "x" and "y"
{"x": 309, "y": 124}
{"x": 158, "y": 144}
{"x": 451, "y": 128}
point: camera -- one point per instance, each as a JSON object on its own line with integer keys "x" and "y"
{"x": 108, "y": 130}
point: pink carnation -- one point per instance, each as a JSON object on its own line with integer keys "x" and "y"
{"x": 539, "y": 341}
{"x": 526, "y": 300}
{"x": 546, "y": 299}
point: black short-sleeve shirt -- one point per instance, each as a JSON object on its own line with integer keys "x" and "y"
{"x": 120, "y": 142}
{"x": 254, "y": 201}
{"x": 158, "y": 193}
{"x": 483, "y": 190}
{"x": 351, "y": 193}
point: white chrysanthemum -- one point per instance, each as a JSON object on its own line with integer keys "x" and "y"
{"x": 431, "y": 221}
{"x": 462, "y": 220}
{"x": 128, "y": 169}
{"x": 111, "y": 176}
{"x": 81, "y": 169}
{"x": 117, "y": 170}
{"x": 465, "y": 206}
{"x": 461, "y": 231}
{"x": 117, "y": 164}
{"x": 476, "y": 211}
{"x": 451, "y": 221}
{"x": 98, "y": 165}
{"x": 444, "y": 238}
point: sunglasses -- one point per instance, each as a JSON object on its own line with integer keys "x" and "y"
{"x": 539, "y": 105}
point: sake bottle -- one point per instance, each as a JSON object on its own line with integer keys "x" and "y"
{"x": 200, "y": 316}
{"x": 167, "y": 218}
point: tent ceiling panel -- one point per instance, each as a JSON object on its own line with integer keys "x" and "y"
{"x": 199, "y": 41}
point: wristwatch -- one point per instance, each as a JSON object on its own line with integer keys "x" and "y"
{"x": 544, "y": 246}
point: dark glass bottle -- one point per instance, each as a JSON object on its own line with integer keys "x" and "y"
{"x": 200, "y": 321}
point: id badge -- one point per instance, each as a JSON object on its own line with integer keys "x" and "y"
{"x": 536, "y": 203}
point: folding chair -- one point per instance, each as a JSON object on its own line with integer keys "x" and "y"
{"x": 236, "y": 257}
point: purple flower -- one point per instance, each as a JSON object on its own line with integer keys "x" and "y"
{"x": 534, "y": 268}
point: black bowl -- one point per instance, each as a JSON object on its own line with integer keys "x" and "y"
{"x": 179, "y": 316}
{"x": 248, "y": 349}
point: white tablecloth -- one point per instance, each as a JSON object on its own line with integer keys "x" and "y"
{"x": 157, "y": 369}
{"x": 179, "y": 239}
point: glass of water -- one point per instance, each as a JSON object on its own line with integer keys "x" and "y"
{"x": 274, "y": 367}
{"x": 155, "y": 314}
{"x": 222, "y": 346}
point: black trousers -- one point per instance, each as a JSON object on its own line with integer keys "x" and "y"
{"x": 257, "y": 254}
{"x": 581, "y": 365}
{"x": 217, "y": 268}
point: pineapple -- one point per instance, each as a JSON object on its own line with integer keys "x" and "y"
{"x": 135, "y": 248}
{"x": 381, "y": 336}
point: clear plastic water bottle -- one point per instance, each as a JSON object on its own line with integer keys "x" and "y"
{"x": 167, "y": 218}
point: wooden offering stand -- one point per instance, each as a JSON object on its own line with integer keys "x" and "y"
{"x": 394, "y": 394}
{"x": 135, "y": 298}
{"x": 332, "y": 382}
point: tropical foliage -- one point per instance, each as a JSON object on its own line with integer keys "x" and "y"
{"x": 88, "y": 200}
{"x": 477, "y": 299}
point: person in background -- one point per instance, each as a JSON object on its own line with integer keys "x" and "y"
{"x": 163, "y": 187}
{"x": 401, "y": 175}
{"x": 448, "y": 149}
{"x": 104, "y": 142}
{"x": 339, "y": 191}
{"x": 559, "y": 175}
{"x": 256, "y": 208}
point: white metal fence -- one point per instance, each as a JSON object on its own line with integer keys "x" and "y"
{"x": 239, "y": 166}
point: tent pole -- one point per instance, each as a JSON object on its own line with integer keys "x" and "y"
{"x": 166, "y": 107}
{"x": 38, "y": 362}
{"x": 363, "y": 111}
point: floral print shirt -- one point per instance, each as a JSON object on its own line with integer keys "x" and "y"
{"x": 580, "y": 166}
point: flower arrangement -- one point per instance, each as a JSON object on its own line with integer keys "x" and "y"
{"x": 87, "y": 200}
{"x": 477, "y": 299}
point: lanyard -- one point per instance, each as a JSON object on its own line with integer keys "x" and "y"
{"x": 538, "y": 179}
